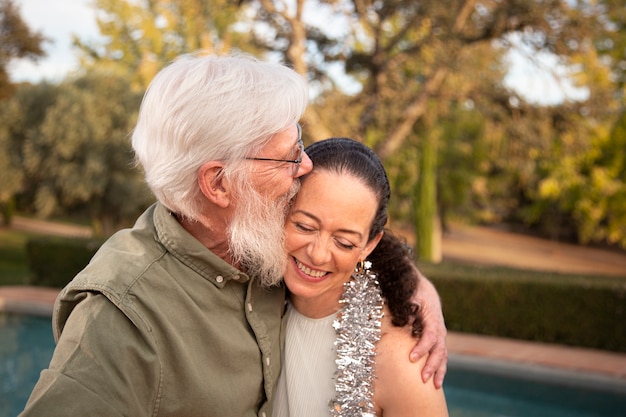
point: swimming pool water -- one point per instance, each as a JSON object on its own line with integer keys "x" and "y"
{"x": 26, "y": 346}
{"x": 479, "y": 392}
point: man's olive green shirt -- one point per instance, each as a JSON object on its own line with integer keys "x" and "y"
{"x": 158, "y": 325}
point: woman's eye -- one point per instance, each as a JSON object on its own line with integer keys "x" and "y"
{"x": 345, "y": 245}
{"x": 303, "y": 228}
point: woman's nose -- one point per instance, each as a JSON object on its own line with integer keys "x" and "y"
{"x": 318, "y": 251}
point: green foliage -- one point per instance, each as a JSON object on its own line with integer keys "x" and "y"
{"x": 571, "y": 310}
{"x": 600, "y": 211}
{"x": 71, "y": 150}
{"x": 586, "y": 187}
{"x": 20, "y": 118}
{"x": 555, "y": 169}
{"x": 143, "y": 36}
{"x": 461, "y": 173}
{"x": 54, "y": 261}
{"x": 408, "y": 57}
{"x": 610, "y": 48}
{"x": 13, "y": 264}
{"x": 7, "y": 211}
{"x": 16, "y": 41}
{"x": 11, "y": 173}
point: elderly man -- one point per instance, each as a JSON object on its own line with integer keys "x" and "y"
{"x": 181, "y": 315}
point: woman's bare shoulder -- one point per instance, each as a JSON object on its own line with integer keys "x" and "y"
{"x": 392, "y": 351}
{"x": 399, "y": 389}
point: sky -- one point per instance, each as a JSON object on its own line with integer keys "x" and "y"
{"x": 59, "y": 19}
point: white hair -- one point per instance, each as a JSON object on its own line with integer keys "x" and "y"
{"x": 256, "y": 234}
{"x": 207, "y": 108}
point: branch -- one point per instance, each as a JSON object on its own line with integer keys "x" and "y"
{"x": 413, "y": 112}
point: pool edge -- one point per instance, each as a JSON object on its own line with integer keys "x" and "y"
{"x": 541, "y": 373}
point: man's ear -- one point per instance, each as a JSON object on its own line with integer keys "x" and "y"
{"x": 213, "y": 184}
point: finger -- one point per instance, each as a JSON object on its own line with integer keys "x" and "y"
{"x": 427, "y": 341}
{"x": 436, "y": 362}
{"x": 441, "y": 374}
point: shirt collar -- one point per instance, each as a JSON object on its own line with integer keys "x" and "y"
{"x": 186, "y": 248}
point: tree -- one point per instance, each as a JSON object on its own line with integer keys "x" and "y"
{"x": 77, "y": 160}
{"x": 426, "y": 200}
{"x": 411, "y": 61}
{"x": 11, "y": 174}
{"x": 609, "y": 45}
{"x": 20, "y": 117}
{"x": 143, "y": 36}
{"x": 411, "y": 55}
{"x": 16, "y": 41}
{"x": 588, "y": 188}
{"x": 408, "y": 55}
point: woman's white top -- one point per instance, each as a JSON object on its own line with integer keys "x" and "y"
{"x": 306, "y": 384}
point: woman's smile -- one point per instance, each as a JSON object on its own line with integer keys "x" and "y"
{"x": 308, "y": 273}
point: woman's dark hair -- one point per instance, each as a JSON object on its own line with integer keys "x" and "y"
{"x": 392, "y": 258}
{"x": 392, "y": 261}
{"x": 343, "y": 155}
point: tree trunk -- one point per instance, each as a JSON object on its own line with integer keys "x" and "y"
{"x": 427, "y": 225}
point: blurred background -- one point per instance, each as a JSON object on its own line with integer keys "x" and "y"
{"x": 484, "y": 112}
{"x": 502, "y": 125}
{"x": 494, "y": 115}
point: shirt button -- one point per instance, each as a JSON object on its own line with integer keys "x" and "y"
{"x": 219, "y": 278}
{"x": 263, "y": 414}
{"x": 267, "y": 360}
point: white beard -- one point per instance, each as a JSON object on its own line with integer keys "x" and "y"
{"x": 257, "y": 235}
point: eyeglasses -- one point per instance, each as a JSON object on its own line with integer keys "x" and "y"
{"x": 296, "y": 162}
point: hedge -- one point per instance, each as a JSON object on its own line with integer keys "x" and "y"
{"x": 570, "y": 310}
{"x": 54, "y": 261}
